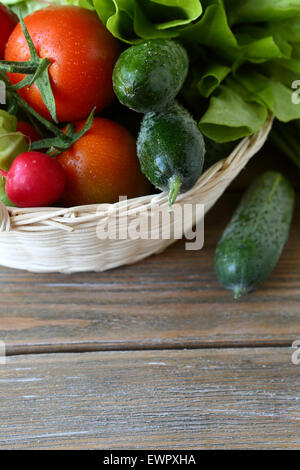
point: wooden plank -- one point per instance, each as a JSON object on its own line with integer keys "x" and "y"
{"x": 196, "y": 399}
{"x": 171, "y": 300}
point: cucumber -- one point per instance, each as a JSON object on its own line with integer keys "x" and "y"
{"x": 149, "y": 76}
{"x": 254, "y": 238}
{"x": 171, "y": 150}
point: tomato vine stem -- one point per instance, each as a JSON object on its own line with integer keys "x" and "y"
{"x": 36, "y": 70}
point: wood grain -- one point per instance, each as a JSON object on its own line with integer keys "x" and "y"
{"x": 196, "y": 399}
{"x": 236, "y": 397}
{"x": 171, "y": 300}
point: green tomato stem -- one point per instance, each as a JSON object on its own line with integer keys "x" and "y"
{"x": 35, "y": 70}
{"x": 47, "y": 124}
{"x": 62, "y": 140}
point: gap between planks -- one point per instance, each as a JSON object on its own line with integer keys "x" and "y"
{"x": 17, "y": 350}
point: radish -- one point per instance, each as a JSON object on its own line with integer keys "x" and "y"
{"x": 34, "y": 180}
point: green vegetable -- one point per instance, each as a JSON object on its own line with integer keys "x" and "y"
{"x": 129, "y": 20}
{"x": 261, "y": 10}
{"x": 233, "y": 114}
{"x": 132, "y": 20}
{"x": 245, "y": 71}
{"x": 26, "y": 7}
{"x": 12, "y": 144}
{"x": 244, "y": 54}
{"x": 254, "y": 238}
{"x": 171, "y": 150}
{"x": 148, "y": 76}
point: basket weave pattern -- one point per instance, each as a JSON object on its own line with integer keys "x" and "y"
{"x": 65, "y": 240}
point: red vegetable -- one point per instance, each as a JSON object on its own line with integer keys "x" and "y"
{"x": 34, "y": 180}
{"x": 82, "y": 54}
{"x": 102, "y": 165}
{"x": 8, "y": 21}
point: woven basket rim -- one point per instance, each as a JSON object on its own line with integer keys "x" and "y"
{"x": 66, "y": 218}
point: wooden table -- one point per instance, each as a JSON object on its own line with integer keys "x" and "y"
{"x": 152, "y": 356}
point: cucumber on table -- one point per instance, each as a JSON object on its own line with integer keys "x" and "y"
{"x": 148, "y": 76}
{"x": 254, "y": 238}
{"x": 171, "y": 150}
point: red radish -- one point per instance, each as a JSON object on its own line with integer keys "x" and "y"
{"x": 34, "y": 180}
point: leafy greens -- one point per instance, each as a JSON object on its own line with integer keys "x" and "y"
{"x": 12, "y": 143}
{"x": 245, "y": 54}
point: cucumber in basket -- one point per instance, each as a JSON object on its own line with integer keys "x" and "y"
{"x": 254, "y": 238}
{"x": 171, "y": 150}
{"x": 150, "y": 75}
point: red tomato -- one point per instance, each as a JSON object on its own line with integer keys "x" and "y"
{"x": 28, "y": 130}
{"x": 82, "y": 54}
{"x": 8, "y": 21}
{"x": 102, "y": 166}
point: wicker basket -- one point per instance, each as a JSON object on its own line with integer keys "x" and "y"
{"x": 65, "y": 240}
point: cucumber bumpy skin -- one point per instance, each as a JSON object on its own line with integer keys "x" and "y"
{"x": 171, "y": 150}
{"x": 254, "y": 238}
{"x": 148, "y": 76}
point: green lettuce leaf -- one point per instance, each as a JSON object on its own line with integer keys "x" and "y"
{"x": 250, "y": 11}
{"x": 29, "y": 6}
{"x": 247, "y": 44}
{"x": 134, "y": 20}
{"x": 276, "y": 96}
{"x": 12, "y": 144}
{"x": 232, "y": 114}
{"x": 25, "y": 6}
{"x": 245, "y": 71}
{"x": 212, "y": 78}
{"x": 212, "y": 31}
